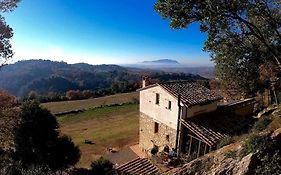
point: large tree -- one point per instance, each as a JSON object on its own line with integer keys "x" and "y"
{"x": 38, "y": 141}
{"x": 6, "y": 32}
{"x": 243, "y": 36}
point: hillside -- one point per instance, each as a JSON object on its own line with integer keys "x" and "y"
{"x": 44, "y": 76}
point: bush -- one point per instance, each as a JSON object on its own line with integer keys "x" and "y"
{"x": 8, "y": 166}
{"x": 255, "y": 143}
{"x": 225, "y": 141}
{"x": 269, "y": 165}
{"x": 267, "y": 152}
{"x": 102, "y": 167}
{"x": 261, "y": 124}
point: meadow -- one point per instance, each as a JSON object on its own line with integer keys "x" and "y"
{"x": 65, "y": 106}
{"x": 106, "y": 127}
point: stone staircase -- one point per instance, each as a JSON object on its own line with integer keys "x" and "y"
{"x": 138, "y": 166}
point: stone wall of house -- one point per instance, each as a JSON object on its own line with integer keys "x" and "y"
{"x": 147, "y": 136}
{"x": 159, "y": 112}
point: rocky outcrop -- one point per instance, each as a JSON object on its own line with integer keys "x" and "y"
{"x": 245, "y": 166}
{"x": 266, "y": 111}
{"x": 276, "y": 135}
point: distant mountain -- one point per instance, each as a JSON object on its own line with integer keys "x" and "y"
{"x": 44, "y": 76}
{"x": 173, "y": 66}
{"x": 161, "y": 61}
{"x": 204, "y": 71}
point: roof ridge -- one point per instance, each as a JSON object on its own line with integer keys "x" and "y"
{"x": 179, "y": 81}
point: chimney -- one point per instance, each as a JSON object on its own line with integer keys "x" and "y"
{"x": 145, "y": 81}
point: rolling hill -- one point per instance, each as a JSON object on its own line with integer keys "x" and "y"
{"x": 44, "y": 76}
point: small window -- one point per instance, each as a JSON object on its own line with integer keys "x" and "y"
{"x": 169, "y": 105}
{"x": 157, "y": 98}
{"x": 156, "y": 127}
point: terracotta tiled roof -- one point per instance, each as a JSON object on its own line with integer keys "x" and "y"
{"x": 191, "y": 93}
{"x": 140, "y": 166}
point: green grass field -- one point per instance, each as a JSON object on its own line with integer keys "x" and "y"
{"x": 111, "y": 126}
{"x": 65, "y": 106}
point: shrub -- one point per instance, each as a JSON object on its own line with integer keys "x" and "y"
{"x": 255, "y": 143}
{"x": 9, "y": 166}
{"x": 102, "y": 167}
{"x": 269, "y": 165}
{"x": 261, "y": 124}
{"x": 225, "y": 141}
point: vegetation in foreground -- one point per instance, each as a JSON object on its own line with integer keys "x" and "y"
{"x": 243, "y": 39}
{"x": 33, "y": 143}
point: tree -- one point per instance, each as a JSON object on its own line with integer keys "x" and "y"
{"x": 242, "y": 35}
{"x": 6, "y": 32}
{"x": 32, "y": 95}
{"x": 74, "y": 95}
{"x": 38, "y": 142}
{"x": 9, "y": 117}
{"x": 102, "y": 167}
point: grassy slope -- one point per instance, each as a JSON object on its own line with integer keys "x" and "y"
{"x": 64, "y": 106}
{"x": 115, "y": 126}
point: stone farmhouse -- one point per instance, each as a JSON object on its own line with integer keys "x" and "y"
{"x": 183, "y": 116}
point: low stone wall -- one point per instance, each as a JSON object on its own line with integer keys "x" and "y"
{"x": 165, "y": 135}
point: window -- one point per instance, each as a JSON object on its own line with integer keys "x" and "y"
{"x": 156, "y": 127}
{"x": 157, "y": 98}
{"x": 169, "y": 105}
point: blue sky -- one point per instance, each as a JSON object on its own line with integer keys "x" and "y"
{"x": 97, "y": 32}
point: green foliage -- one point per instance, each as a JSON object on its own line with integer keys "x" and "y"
{"x": 8, "y": 166}
{"x": 65, "y": 153}
{"x": 37, "y": 140}
{"x": 6, "y": 31}
{"x": 255, "y": 143}
{"x": 225, "y": 141}
{"x": 270, "y": 164}
{"x": 102, "y": 167}
{"x": 98, "y": 112}
{"x": 261, "y": 124}
{"x": 243, "y": 38}
{"x": 267, "y": 152}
